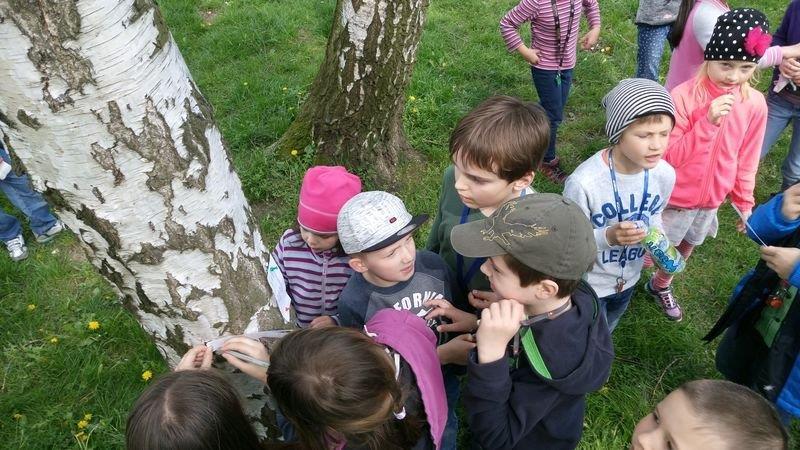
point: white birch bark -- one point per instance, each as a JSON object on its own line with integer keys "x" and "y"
{"x": 98, "y": 105}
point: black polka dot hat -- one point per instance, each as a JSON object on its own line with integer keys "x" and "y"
{"x": 741, "y": 34}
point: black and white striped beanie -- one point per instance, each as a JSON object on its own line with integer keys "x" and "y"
{"x": 633, "y": 98}
{"x": 741, "y": 34}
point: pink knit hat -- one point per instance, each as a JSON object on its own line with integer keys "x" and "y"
{"x": 325, "y": 189}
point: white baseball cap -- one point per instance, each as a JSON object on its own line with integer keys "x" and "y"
{"x": 373, "y": 220}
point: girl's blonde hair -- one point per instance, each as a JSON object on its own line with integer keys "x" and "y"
{"x": 702, "y": 74}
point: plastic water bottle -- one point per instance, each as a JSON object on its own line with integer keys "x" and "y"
{"x": 664, "y": 255}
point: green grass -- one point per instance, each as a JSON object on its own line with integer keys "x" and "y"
{"x": 254, "y": 61}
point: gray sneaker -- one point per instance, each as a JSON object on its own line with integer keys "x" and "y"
{"x": 51, "y": 232}
{"x": 16, "y": 248}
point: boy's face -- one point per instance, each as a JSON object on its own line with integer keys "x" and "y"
{"x": 504, "y": 281}
{"x": 389, "y": 265}
{"x": 479, "y": 188}
{"x": 674, "y": 425}
{"x": 643, "y": 144}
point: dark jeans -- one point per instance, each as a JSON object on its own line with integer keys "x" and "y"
{"x": 552, "y": 97}
{"x": 615, "y": 305}
{"x": 781, "y": 113}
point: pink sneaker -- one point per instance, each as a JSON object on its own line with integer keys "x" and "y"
{"x": 669, "y": 304}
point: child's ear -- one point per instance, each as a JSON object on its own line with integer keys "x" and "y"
{"x": 357, "y": 264}
{"x": 548, "y": 288}
{"x": 524, "y": 181}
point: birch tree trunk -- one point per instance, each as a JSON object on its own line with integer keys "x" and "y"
{"x": 98, "y": 105}
{"x": 354, "y": 111}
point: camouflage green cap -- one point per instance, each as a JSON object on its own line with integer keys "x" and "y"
{"x": 546, "y": 232}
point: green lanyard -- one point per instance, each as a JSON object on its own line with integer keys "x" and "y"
{"x": 532, "y": 353}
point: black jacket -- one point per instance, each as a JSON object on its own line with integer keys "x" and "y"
{"x": 516, "y": 408}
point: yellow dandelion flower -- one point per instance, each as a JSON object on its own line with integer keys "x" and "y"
{"x": 285, "y": 88}
{"x": 54, "y": 340}
{"x": 146, "y": 375}
{"x": 87, "y": 417}
{"x": 83, "y": 424}
{"x": 293, "y": 152}
{"x": 17, "y": 416}
{"x": 411, "y": 98}
{"x": 93, "y": 325}
{"x": 81, "y": 436}
{"x": 31, "y": 307}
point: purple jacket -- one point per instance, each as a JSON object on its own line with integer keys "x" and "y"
{"x": 410, "y": 336}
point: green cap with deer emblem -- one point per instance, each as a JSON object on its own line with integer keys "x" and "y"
{"x": 546, "y": 232}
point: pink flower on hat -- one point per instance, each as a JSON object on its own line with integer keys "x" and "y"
{"x": 757, "y": 41}
{"x": 325, "y": 189}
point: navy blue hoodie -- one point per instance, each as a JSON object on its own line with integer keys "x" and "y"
{"x": 514, "y": 408}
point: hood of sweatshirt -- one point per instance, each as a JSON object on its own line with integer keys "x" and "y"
{"x": 576, "y": 347}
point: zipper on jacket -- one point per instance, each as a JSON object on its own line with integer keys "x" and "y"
{"x": 712, "y": 167}
{"x": 323, "y": 294}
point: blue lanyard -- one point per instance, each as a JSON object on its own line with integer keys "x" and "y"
{"x": 618, "y": 199}
{"x": 464, "y": 279}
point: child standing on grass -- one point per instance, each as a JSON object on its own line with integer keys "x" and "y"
{"x": 783, "y": 99}
{"x": 761, "y": 349}
{"x": 654, "y": 20}
{"x": 532, "y": 393}
{"x": 494, "y": 151}
{"x": 711, "y": 414}
{"x": 691, "y": 34}
{"x": 309, "y": 257}
{"x": 715, "y": 145}
{"x": 376, "y": 231}
{"x": 552, "y": 56}
{"x": 626, "y": 183}
{"x": 17, "y": 189}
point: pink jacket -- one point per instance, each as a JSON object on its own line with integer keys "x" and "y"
{"x": 712, "y": 161}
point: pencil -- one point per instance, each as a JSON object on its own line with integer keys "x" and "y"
{"x": 248, "y": 358}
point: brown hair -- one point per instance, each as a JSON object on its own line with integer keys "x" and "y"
{"x": 528, "y": 276}
{"x": 338, "y": 384}
{"x": 739, "y": 416}
{"x": 503, "y": 135}
{"x": 194, "y": 409}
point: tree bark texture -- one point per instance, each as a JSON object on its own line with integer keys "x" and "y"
{"x": 98, "y": 105}
{"x": 354, "y": 111}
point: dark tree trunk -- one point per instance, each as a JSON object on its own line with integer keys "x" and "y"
{"x": 354, "y": 111}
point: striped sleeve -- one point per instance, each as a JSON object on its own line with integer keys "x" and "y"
{"x": 525, "y": 11}
{"x": 592, "y": 11}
